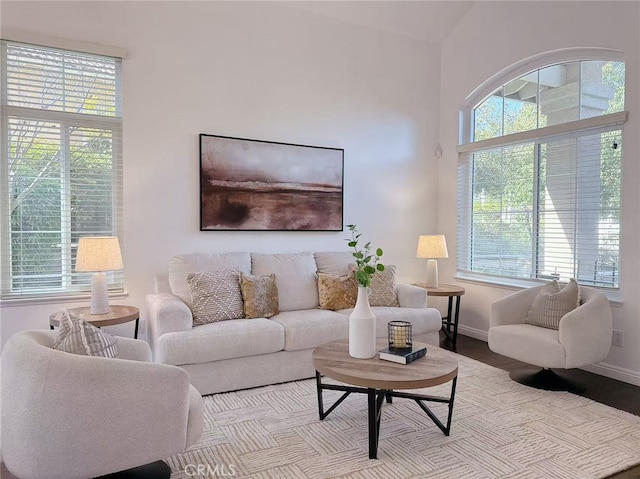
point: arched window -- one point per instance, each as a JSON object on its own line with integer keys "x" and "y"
{"x": 540, "y": 171}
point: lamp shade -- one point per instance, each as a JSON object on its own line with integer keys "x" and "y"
{"x": 432, "y": 247}
{"x": 99, "y": 253}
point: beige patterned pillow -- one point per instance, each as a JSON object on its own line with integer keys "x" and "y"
{"x": 79, "y": 337}
{"x": 260, "y": 295}
{"x": 215, "y": 296}
{"x": 337, "y": 292}
{"x": 552, "y": 303}
{"x": 383, "y": 288}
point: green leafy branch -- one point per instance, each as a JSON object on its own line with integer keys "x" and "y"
{"x": 366, "y": 263}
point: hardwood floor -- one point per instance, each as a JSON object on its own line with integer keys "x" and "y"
{"x": 599, "y": 388}
{"x": 604, "y": 390}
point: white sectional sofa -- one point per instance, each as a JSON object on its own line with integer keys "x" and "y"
{"x": 243, "y": 353}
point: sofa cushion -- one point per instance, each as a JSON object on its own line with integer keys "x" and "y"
{"x": 309, "y": 328}
{"x": 337, "y": 292}
{"x": 79, "y": 337}
{"x": 215, "y": 296}
{"x": 260, "y": 295}
{"x": 181, "y": 265}
{"x": 552, "y": 303}
{"x": 235, "y": 338}
{"x": 383, "y": 288}
{"x": 295, "y": 278}
{"x": 333, "y": 262}
{"x": 423, "y": 320}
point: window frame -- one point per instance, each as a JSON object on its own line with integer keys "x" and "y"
{"x": 66, "y": 121}
{"x": 466, "y": 147}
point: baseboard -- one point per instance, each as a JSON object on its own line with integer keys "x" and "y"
{"x": 473, "y": 333}
{"x": 602, "y": 369}
{"x": 615, "y": 372}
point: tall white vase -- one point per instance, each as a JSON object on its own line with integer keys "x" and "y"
{"x": 362, "y": 327}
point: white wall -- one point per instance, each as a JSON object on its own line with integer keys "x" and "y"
{"x": 260, "y": 71}
{"x": 495, "y": 35}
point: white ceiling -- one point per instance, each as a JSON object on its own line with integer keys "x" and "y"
{"x": 426, "y": 20}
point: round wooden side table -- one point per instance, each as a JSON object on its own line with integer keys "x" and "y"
{"x": 449, "y": 324}
{"x": 118, "y": 314}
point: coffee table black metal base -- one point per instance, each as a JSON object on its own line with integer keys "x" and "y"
{"x": 375, "y": 400}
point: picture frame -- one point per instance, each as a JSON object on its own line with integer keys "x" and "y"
{"x": 258, "y": 185}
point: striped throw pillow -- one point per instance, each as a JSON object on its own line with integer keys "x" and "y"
{"x": 552, "y": 303}
{"x": 79, "y": 337}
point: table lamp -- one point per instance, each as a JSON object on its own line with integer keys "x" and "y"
{"x": 432, "y": 247}
{"x": 98, "y": 254}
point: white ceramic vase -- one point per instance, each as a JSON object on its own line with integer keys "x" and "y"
{"x": 362, "y": 327}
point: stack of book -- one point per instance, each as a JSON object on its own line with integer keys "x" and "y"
{"x": 402, "y": 356}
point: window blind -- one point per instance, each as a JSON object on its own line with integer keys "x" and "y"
{"x": 543, "y": 209}
{"x": 61, "y": 166}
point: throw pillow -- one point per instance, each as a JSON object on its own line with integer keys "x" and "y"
{"x": 260, "y": 295}
{"x": 215, "y": 296}
{"x": 337, "y": 292}
{"x": 552, "y": 303}
{"x": 79, "y": 337}
{"x": 383, "y": 288}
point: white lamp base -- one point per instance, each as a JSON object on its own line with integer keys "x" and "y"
{"x": 99, "y": 296}
{"x": 432, "y": 273}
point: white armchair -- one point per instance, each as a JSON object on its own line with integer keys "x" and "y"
{"x": 583, "y": 338}
{"x": 68, "y": 416}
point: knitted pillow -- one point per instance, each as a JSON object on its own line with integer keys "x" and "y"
{"x": 260, "y": 295}
{"x": 383, "y": 288}
{"x": 337, "y": 292}
{"x": 215, "y": 296}
{"x": 79, "y": 337}
{"x": 552, "y": 303}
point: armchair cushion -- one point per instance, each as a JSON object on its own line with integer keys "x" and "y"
{"x": 79, "y": 337}
{"x": 552, "y": 303}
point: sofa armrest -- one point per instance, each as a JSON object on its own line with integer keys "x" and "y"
{"x": 410, "y": 296}
{"x": 133, "y": 349}
{"x": 166, "y": 313}
{"x": 513, "y": 309}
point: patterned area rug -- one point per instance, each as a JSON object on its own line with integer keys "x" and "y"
{"x": 500, "y": 429}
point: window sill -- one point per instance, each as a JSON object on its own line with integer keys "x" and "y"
{"x": 614, "y": 295}
{"x": 17, "y": 302}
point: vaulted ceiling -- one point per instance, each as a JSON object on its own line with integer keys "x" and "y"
{"x": 426, "y": 20}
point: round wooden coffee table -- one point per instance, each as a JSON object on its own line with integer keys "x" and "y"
{"x": 380, "y": 379}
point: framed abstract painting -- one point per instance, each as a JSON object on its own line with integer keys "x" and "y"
{"x": 264, "y": 185}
